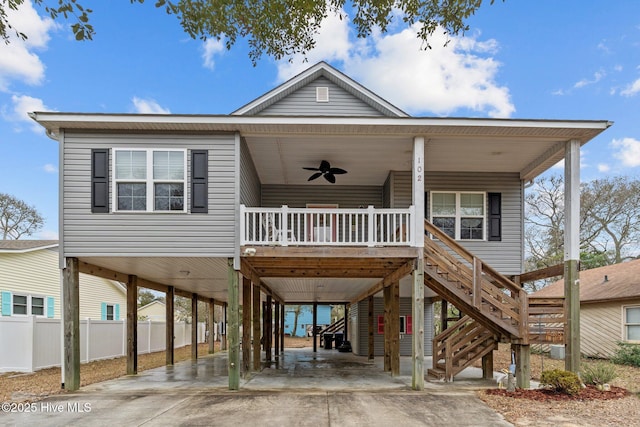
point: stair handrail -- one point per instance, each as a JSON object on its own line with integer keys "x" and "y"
{"x": 464, "y": 253}
{"x": 494, "y": 278}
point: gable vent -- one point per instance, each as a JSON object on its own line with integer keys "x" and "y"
{"x": 322, "y": 94}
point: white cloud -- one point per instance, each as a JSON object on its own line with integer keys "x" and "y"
{"x": 148, "y": 106}
{"x": 22, "y": 106}
{"x": 211, "y": 48}
{"x": 440, "y": 80}
{"x": 627, "y": 150}
{"x": 49, "y": 168}
{"x": 603, "y": 167}
{"x": 631, "y": 89}
{"x": 597, "y": 76}
{"x": 17, "y": 59}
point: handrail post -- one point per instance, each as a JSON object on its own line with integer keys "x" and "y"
{"x": 284, "y": 226}
{"x": 372, "y": 226}
{"x": 413, "y": 233}
{"x": 243, "y": 232}
{"x": 477, "y": 283}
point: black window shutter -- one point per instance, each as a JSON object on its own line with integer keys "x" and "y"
{"x": 495, "y": 216}
{"x": 199, "y": 173}
{"x": 100, "y": 180}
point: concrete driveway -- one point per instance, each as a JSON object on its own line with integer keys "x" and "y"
{"x": 302, "y": 389}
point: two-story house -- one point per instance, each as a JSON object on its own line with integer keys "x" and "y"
{"x": 318, "y": 191}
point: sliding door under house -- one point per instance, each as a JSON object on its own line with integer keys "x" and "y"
{"x": 318, "y": 192}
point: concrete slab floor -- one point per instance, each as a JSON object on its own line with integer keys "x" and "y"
{"x": 300, "y": 388}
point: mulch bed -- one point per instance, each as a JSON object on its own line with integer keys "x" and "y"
{"x": 590, "y": 392}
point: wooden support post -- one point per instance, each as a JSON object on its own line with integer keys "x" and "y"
{"x": 268, "y": 336}
{"x": 523, "y": 365}
{"x": 194, "y": 326}
{"x": 572, "y": 254}
{"x": 276, "y": 331}
{"x": 223, "y": 328}
{"x": 386, "y": 293}
{"x": 487, "y": 366}
{"x": 132, "y": 325}
{"x": 315, "y": 324}
{"x": 170, "y": 321}
{"x": 417, "y": 337}
{"x": 370, "y": 346}
{"x": 256, "y": 328}
{"x": 282, "y": 328}
{"x": 233, "y": 327}
{"x": 395, "y": 328}
{"x": 71, "y": 308}
{"x": 246, "y": 326}
{"x": 346, "y": 323}
{"x": 212, "y": 326}
{"x": 444, "y": 315}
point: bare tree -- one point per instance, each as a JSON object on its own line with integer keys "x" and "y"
{"x": 609, "y": 222}
{"x": 18, "y": 219}
{"x": 611, "y": 217}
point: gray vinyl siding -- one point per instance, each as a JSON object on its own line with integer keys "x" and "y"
{"x": 148, "y": 234}
{"x": 401, "y": 191}
{"x": 505, "y": 255}
{"x": 303, "y": 103}
{"x": 249, "y": 180}
{"x": 298, "y": 196}
{"x": 386, "y": 192}
{"x": 354, "y": 330}
{"x": 378, "y": 339}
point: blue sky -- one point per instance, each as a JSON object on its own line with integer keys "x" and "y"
{"x": 574, "y": 59}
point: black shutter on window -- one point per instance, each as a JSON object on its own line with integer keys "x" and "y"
{"x": 100, "y": 180}
{"x": 495, "y": 216}
{"x": 199, "y": 173}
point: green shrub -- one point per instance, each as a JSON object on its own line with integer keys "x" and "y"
{"x": 599, "y": 373}
{"x": 561, "y": 381}
{"x": 627, "y": 354}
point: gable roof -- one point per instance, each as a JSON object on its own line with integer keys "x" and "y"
{"x": 19, "y": 246}
{"x": 154, "y": 302}
{"x": 321, "y": 69}
{"x": 608, "y": 283}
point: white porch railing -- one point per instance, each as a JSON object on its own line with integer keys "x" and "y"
{"x": 327, "y": 227}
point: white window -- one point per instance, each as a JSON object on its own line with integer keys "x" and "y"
{"x": 460, "y": 215}
{"x": 632, "y": 323}
{"x": 149, "y": 180}
{"x": 28, "y": 305}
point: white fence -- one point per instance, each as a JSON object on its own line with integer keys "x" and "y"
{"x": 31, "y": 343}
{"x": 327, "y": 227}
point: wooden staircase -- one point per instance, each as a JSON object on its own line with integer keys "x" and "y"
{"x": 336, "y": 326}
{"x": 459, "y": 346}
{"x": 495, "y": 308}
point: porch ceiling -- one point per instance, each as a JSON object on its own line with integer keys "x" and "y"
{"x": 368, "y": 147}
{"x": 297, "y": 275}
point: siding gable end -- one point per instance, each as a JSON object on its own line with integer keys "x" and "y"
{"x": 321, "y": 90}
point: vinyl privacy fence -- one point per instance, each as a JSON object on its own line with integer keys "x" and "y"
{"x": 31, "y": 343}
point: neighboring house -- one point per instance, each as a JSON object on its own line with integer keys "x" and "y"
{"x": 258, "y": 201}
{"x": 305, "y": 319}
{"x": 30, "y": 284}
{"x": 609, "y": 307}
{"x": 156, "y": 311}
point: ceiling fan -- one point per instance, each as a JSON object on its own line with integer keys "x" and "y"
{"x": 327, "y": 171}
